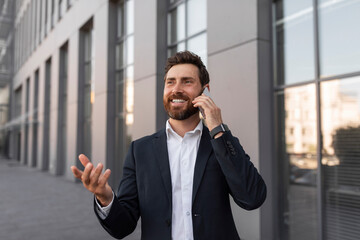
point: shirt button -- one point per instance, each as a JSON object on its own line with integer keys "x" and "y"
{"x": 187, "y": 213}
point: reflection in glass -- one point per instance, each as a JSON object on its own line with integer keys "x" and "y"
{"x": 87, "y": 73}
{"x": 294, "y": 41}
{"x": 340, "y": 114}
{"x": 198, "y": 45}
{"x": 119, "y": 88}
{"x": 88, "y": 46}
{"x": 130, "y": 50}
{"x": 88, "y": 89}
{"x": 124, "y": 86}
{"x": 120, "y": 20}
{"x": 339, "y": 36}
{"x": 179, "y": 47}
{"x": 62, "y": 124}
{"x": 298, "y": 162}
{"x": 129, "y": 15}
{"x": 196, "y": 14}
{"x": 130, "y": 89}
{"x": 176, "y": 24}
{"x": 119, "y": 55}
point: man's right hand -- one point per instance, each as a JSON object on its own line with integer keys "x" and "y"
{"x": 94, "y": 181}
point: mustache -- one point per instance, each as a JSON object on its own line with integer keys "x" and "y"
{"x": 178, "y": 96}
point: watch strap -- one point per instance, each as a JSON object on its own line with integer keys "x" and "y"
{"x": 221, "y": 128}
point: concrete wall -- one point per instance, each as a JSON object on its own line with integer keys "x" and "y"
{"x": 233, "y": 61}
{"x": 145, "y": 68}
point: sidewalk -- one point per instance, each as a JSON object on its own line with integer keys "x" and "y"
{"x": 36, "y": 205}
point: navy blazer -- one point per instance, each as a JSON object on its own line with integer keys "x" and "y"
{"x": 222, "y": 168}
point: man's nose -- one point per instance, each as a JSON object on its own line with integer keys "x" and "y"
{"x": 177, "y": 88}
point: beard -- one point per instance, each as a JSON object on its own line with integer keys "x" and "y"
{"x": 178, "y": 113}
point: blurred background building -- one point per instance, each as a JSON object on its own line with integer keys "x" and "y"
{"x": 86, "y": 76}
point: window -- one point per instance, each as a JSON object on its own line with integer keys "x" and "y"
{"x": 87, "y": 86}
{"x": 35, "y": 120}
{"x": 317, "y": 93}
{"x": 294, "y": 39}
{"x": 298, "y": 194}
{"x": 46, "y": 125}
{"x": 63, "y": 82}
{"x": 27, "y": 121}
{"x": 340, "y": 102}
{"x": 40, "y": 17}
{"x": 124, "y": 79}
{"x": 18, "y": 106}
{"x": 187, "y": 27}
{"x": 52, "y": 14}
{"x": 60, "y": 8}
{"x": 338, "y": 42}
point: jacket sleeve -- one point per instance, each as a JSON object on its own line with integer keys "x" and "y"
{"x": 246, "y": 185}
{"x": 124, "y": 212}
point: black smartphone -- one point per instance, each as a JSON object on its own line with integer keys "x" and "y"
{"x": 206, "y": 92}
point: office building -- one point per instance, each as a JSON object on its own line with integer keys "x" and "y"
{"x": 88, "y": 78}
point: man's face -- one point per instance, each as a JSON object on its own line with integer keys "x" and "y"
{"x": 182, "y": 86}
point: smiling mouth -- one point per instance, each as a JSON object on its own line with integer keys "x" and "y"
{"x": 178, "y": 101}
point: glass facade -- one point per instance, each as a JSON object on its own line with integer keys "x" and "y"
{"x": 297, "y": 150}
{"x": 35, "y": 120}
{"x": 338, "y": 40}
{"x": 317, "y": 95}
{"x": 62, "y": 118}
{"x": 18, "y": 106}
{"x": 46, "y": 124}
{"x": 340, "y": 120}
{"x": 294, "y": 39}
{"x": 124, "y": 80}
{"x": 187, "y": 27}
{"x": 26, "y": 152}
{"x": 88, "y": 87}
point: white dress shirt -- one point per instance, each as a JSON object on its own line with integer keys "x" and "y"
{"x": 182, "y": 156}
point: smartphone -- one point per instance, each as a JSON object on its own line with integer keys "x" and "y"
{"x": 206, "y": 92}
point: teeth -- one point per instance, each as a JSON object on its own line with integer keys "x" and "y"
{"x": 178, "y": 100}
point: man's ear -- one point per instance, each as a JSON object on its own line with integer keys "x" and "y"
{"x": 207, "y": 86}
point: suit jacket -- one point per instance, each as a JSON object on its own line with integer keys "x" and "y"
{"x": 222, "y": 168}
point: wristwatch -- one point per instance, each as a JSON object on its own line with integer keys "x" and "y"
{"x": 221, "y": 128}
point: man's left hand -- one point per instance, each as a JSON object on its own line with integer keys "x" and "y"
{"x": 212, "y": 112}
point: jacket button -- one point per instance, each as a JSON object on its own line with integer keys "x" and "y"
{"x": 168, "y": 222}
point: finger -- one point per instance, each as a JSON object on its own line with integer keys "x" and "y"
{"x": 104, "y": 178}
{"x": 203, "y": 103}
{"x": 95, "y": 177}
{"x": 86, "y": 174}
{"x": 83, "y": 159}
{"x": 203, "y": 99}
{"x": 77, "y": 173}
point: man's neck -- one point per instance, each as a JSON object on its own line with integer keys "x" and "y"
{"x": 183, "y": 126}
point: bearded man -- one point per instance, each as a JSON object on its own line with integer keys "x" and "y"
{"x": 179, "y": 179}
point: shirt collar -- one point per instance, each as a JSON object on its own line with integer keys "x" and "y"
{"x": 169, "y": 130}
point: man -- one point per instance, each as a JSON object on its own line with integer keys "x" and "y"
{"x": 179, "y": 179}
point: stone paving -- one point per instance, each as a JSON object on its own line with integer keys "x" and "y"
{"x": 36, "y": 205}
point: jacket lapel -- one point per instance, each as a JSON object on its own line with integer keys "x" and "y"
{"x": 203, "y": 154}
{"x": 162, "y": 157}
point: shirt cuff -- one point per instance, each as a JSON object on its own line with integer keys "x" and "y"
{"x": 103, "y": 212}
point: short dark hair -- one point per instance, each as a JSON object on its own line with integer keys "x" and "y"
{"x": 191, "y": 58}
